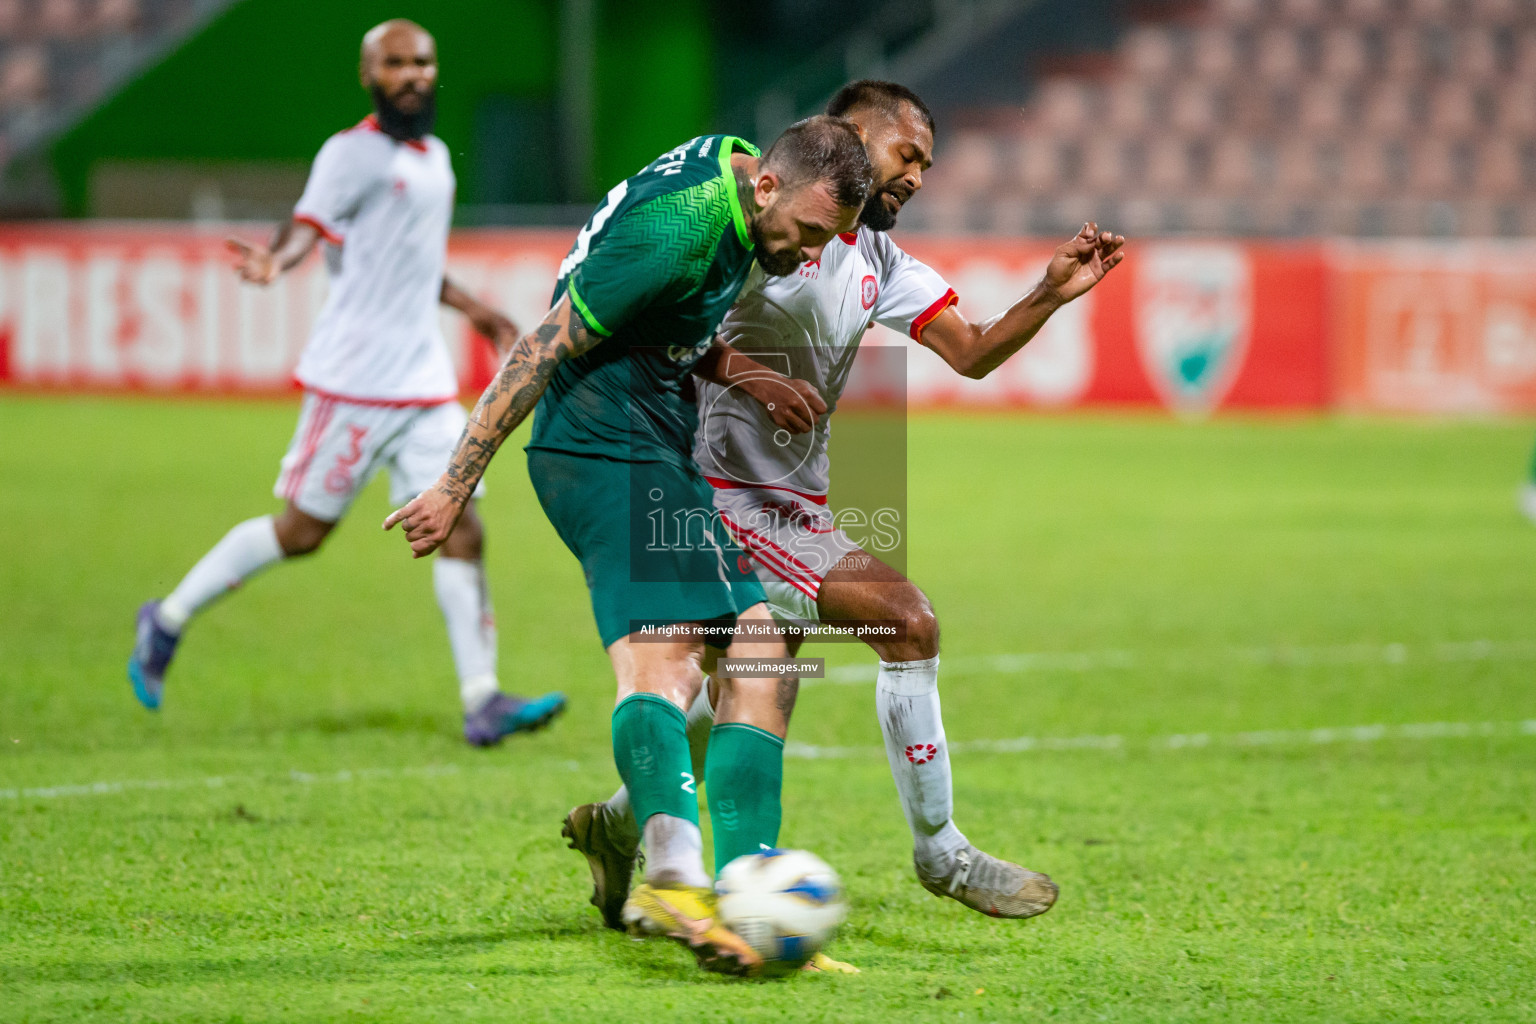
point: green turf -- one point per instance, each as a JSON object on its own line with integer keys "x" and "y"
{"x": 356, "y": 861}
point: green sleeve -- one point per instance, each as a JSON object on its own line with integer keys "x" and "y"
{"x": 650, "y": 253}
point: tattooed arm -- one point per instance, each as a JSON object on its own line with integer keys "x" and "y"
{"x": 430, "y": 517}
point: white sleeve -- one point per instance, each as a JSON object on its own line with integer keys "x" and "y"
{"x": 338, "y": 182}
{"x": 911, "y": 293}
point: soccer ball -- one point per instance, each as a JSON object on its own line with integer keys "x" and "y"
{"x": 785, "y": 904}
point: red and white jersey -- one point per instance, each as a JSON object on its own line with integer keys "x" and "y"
{"x": 384, "y": 208}
{"x": 808, "y": 325}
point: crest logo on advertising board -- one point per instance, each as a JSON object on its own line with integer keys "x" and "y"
{"x": 1193, "y": 319}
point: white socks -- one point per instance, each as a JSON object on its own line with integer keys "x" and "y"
{"x": 674, "y": 852}
{"x": 465, "y": 599}
{"x": 618, "y": 815}
{"x": 245, "y": 550}
{"x": 907, "y": 702}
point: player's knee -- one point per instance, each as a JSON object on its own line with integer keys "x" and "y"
{"x": 922, "y": 630}
{"x": 299, "y": 538}
{"x": 467, "y": 540}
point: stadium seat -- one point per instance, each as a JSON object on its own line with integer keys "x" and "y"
{"x": 1063, "y": 105}
{"x": 1476, "y": 55}
{"x": 1128, "y": 104}
{"x": 1150, "y": 52}
{"x": 971, "y": 162}
{"x": 1388, "y": 110}
{"x": 1104, "y": 163}
{"x": 1193, "y": 107}
{"x": 13, "y": 20}
{"x": 1215, "y": 54}
{"x": 1235, "y": 165}
{"x": 1404, "y": 58}
{"x": 1278, "y": 56}
{"x": 1320, "y": 107}
{"x": 1038, "y": 163}
{"x": 1237, "y": 12}
{"x": 1342, "y": 54}
{"x": 1366, "y": 12}
{"x": 23, "y": 77}
{"x": 111, "y": 16}
{"x": 1167, "y": 170}
{"x": 60, "y": 19}
{"x": 1501, "y": 169}
{"x": 1301, "y": 12}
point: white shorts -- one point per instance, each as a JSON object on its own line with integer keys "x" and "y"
{"x": 792, "y": 540}
{"x": 339, "y": 445}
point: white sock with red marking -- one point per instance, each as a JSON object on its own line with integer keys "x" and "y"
{"x": 244, "y": 551}
{"x": 907, "y": 702}
{"x": 465, "y": 599}
{"x": 617, "y": 813}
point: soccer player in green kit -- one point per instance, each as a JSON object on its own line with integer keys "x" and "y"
{"x": 636, "y": 306}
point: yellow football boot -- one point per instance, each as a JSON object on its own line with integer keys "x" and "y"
{"x": 686, "y": 914}
{"x": 823, "y": 964}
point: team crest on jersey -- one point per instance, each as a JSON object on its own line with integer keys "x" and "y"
{"x": 1193, "y": 306}
{"x": 869, "y": 291}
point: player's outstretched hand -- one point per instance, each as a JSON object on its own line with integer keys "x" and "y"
{"x": 1082, "y": 262}
{"x": 428, "y": 519}
{"x": 792, "y": 404}
{"x": 256, "y": 264}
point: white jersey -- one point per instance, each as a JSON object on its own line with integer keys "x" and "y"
{"x": 384, "y": 209}
{"x": 808, "y": 325}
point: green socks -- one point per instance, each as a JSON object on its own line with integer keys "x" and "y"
{"x": 744, "y": 773}
{"x": 744, "y": 770}
{"x": 650, "y": 747}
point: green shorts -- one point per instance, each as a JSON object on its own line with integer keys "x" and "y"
{"x": 649, "y": 540}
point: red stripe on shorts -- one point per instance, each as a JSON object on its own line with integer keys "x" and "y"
{"x": 324, "y": 408}
{"x": 802, "y": 578}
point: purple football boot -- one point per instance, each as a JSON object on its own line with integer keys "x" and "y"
{"x": 503, "y": 715}
{"x": 153, "y": 648}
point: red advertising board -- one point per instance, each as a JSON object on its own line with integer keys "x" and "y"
{"x": 1193, "y": 326}
{"x": 1436, "y": 329}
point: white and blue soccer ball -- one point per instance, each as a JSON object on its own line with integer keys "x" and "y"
{"x": 785, "y": 904}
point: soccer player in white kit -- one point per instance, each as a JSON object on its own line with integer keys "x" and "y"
{"x": 380, "y": 391}
{"x": 772, "y": 493}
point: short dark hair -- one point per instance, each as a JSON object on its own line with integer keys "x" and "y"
{"x": 886, "y": 97}
{"x": 827, "y": 149}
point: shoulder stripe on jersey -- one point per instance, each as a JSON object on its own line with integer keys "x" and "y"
{"x": 315, "y": 222}
{"x": 928, "y": 315}
{"x": 729, "y": 145}
{"x": 586, "y": 314}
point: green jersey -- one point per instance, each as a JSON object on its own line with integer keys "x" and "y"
{"x": 653, "y": 273}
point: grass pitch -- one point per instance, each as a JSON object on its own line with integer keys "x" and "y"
{"x": 1193, "y": 672}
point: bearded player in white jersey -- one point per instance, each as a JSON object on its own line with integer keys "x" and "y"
{"x": 380, "y": 391}
{"x": 772, "y": 494}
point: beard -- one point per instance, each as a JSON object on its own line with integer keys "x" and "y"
{"x": 875, "y": 215}
{"x": 775, "y": 264}
{"x": 400, "y": 125}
